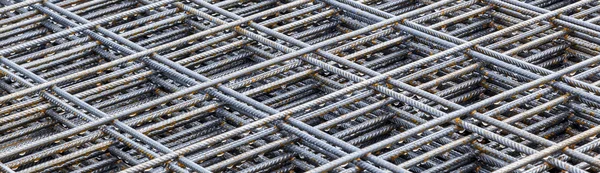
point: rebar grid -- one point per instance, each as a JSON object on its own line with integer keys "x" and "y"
{"x": 303, "y": 86}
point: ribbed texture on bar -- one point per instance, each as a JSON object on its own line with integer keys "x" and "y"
{"x": 299, "y": 86}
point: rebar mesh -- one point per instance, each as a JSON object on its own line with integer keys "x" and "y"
{"x": 299, "y": 86}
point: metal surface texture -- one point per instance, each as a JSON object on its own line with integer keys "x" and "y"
{"x": 299, "y": 86}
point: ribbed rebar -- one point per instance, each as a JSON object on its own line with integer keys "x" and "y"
{"x": 302, "y": 86}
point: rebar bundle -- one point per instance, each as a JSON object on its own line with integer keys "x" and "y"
{"x": 299, "y": 86}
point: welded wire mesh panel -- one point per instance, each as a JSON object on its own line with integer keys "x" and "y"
{"x": 299, "y": 86}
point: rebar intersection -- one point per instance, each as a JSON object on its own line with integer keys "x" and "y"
{"x": 311, "y": 86}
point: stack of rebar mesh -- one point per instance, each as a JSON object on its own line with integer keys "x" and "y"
{"x": 299, "y": 86}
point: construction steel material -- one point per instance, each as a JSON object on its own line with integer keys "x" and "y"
{"x": 299, "y": 86}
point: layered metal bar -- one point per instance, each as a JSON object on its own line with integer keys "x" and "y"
{"x": 299, "y": 86}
